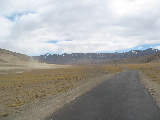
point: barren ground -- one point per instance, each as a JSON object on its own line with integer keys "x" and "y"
{"x": 33, "y": 93}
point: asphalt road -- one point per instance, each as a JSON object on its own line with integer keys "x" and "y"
{"x": 120, "y": 98}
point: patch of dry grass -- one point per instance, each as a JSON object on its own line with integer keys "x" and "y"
{"x": 18, "y": 89}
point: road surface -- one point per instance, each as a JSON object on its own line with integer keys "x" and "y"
{"x": 120, "y": 98}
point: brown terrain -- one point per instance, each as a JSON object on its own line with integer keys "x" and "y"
{"x": 31, "y": 89}
{"x": 12, "y": 62}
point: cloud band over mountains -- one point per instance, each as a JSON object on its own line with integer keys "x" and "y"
{"x": 66, "y": 26}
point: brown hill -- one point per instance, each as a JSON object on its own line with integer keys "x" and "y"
{"x": 12, "y": 62}
{"x": 152, "y": 58}
{"x": 10, "y": 57}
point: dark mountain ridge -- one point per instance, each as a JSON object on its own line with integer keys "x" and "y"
{"x": 151, "y": 58}
{"x": 75, "y": 58}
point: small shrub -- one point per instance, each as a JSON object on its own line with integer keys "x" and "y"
{"x": 5, "y": 114}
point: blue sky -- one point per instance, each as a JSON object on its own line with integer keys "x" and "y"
{"x": 51, "y": 41}
{"x": 49, "y": 26}
{"x": 142, "y": 47}
{"x": 17, "y": 15}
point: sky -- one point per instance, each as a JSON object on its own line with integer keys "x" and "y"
{"x": 37, "y": 27}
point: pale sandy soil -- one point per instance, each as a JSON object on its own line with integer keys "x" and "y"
{"x": 41, "y": 108}
{"x": 6, "y": 68}
{"x": 152, "y": 86}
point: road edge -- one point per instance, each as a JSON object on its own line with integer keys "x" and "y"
{"x": 152, "y": 87}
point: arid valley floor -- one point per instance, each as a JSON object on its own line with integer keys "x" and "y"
{"x": 40, "y": 88}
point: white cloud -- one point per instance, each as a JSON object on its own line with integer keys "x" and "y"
{"x": 139, "y": 48}
{"x": 5, "y": 27}
{"x": 79, "y": 26}
{"x": 132, "y": 7}
{"x": 157, "y": 47}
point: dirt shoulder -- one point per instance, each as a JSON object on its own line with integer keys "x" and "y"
{"x": 152, "y": 86}
{"x": 41, "y": 108}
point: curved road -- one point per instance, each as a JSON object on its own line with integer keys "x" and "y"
{"x": 121, "y": 98}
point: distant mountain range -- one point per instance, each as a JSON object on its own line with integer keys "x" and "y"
{"x": 151, "y": 58}
{"x": 83, "y": 58}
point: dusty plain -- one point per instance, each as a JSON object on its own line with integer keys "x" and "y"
{"x": 35, "y": 91}
{"x": 32, "y": 90}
